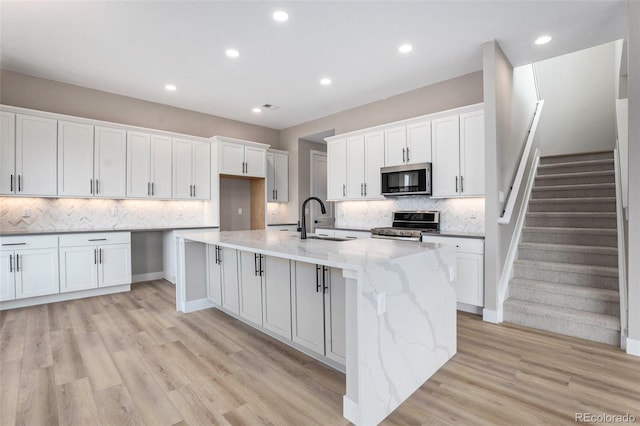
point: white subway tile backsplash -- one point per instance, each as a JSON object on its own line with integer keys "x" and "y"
{"x": 76, "y": 213}
{"x": 456, "y": 214}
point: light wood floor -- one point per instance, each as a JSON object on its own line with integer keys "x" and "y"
{"x": 132, "y": 359}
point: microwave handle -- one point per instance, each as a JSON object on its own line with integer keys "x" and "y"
{"x": 408, "y": 155}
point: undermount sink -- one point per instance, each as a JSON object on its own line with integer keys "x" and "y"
{"x": 318, "y": 237}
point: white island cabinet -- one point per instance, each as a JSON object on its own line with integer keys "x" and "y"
{"x": 382, "y": 310}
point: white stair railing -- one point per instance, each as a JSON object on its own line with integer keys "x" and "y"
{"x": 622, "y": 255}
{"x": 517, "y": 182}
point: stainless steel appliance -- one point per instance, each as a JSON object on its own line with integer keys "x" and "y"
{"x": 410, "y": 179}
{"x": 409, "y": 225}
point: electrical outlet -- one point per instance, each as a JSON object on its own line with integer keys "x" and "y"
{"x": 114, "y": 211}
{"x": 501, "y": 196}
{"x": 452, "y": 273}
{"x": 26, "y": 213}
{"x": 239, "y": 211}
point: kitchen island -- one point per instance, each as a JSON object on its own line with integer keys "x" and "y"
{"x": 399, "y": 305}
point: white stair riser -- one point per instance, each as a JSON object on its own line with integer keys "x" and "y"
{"x": 577, "y": 157}
{"x": 575, "y": 168}
{"x": 573, "y": 180}
{"x": 551, "y": 192}
{"x": 568, "y": 206}
{"x": 571, "y": 222}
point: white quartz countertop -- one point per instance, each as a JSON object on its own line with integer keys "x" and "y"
{"x": 350, "y": 254}
{"x": 23, "y": 232}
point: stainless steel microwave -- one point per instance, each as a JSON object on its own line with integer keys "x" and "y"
{"x": 408, "y": 179}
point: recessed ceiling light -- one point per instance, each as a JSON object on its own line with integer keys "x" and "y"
{"x": 170, "y": 87}
{"x": 543, "y": 40}
{"x": 325, "y": 81}
{"x": 257, "y": 110}
{"x": 405, "y": 48}
{"x": 232, "y": 53}
{"x": 280, "y": 15}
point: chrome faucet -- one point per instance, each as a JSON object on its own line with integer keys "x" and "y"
{"x": 303, "y": 226}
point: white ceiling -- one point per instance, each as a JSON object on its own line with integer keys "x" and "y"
{"x": 134, "y": 48}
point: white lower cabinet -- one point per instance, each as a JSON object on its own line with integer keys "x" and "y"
{"x": 229, "y": 275}
{"x": 29, "y": 267}
{"x": 214, "y": 274}
{"x": 90, "y": 261}
{"x": 250, "y": 268}
{"x": 469, "y": 282}
{"x": 318, "y": 310}
{"x": 276, "y": 296}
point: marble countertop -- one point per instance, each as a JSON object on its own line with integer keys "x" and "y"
{"x": 86, "y": 230}
{"x": 448, "y": 233}
{"x": 350, "y": 254}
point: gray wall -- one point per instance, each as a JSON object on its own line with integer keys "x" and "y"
{"x": 579, "y": 101}
{"x": 46, "y": 95}
{"x": 634, "y": 172}
{"x": 304, "y": 166}
{"x": 457, "y": 92}
{"x": 235, "y": 193}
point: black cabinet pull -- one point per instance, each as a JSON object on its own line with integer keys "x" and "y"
{"x": 95, "y": 256}
{"x": 153, "y": 188}
{"x": 11, "y": 184}
{"x": 317, "y": 279}
{"x": 17, "y": 263}
{"x": 10, "y": 263}
{"x": 276, "y": 194}
{"x": 97, "y": 187}
{"x": 461, "y": 184}
{"x": 14, "y": 244}
{"x": 97, "y": 239}
{"x": 100, "y": 255}
{"x": 255, "y": 264}
{"x": 403, "y": 160}
{"x": 19, "y": 183}
{"x": 456, "y": 183}
{"x": 325, "y": 286}
{"x": 218, "y": 257}
{"x": 261, "y": 270}
{"x": 408, "y": 155}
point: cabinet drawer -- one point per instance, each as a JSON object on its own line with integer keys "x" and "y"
{"x": 22, "y": 243}
{"x": 325, "y": 232}
{"x": 95, "y": 238}
{"x": 339, "y": 233}
{"x": 463, "y": 245}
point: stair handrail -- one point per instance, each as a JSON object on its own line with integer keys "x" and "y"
{"x": 507, "y": 213}
{"x": 622, "y": 255}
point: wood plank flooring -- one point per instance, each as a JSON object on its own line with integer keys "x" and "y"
{"x": 131, "y": 359}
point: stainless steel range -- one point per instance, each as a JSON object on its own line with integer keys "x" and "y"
{"x": 409, "y": 225}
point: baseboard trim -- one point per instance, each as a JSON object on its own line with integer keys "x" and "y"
{"x": 633, "y": 347}
{"x": 351, "y": 410}
{"x": 150, "y": 276}
{"x": 472, "y": 309}
{"x": 494, "y": 317}
{"x": 197, "y": 305}
{"x": 61, "y": 297}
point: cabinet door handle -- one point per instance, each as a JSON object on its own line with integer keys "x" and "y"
{"x": 100, "y": 256}
{"x": 153, "y": 188}
{"x": 194, "y": 191}
{"x": 95, "y": 256}
{"x": 361, "y": 190}
{"x": 261, "y": 270}
{"x": 273, "y": 194}
{"x": 19, "y": 183}
{"x": 365, "y": 189}
{"x": 344, "y": 190}
{"x": 148, "y": 188}
{"x": 14, "y": 244}
{"x": 218, "y": 257}
{"x": 97, "y": 186}
{"x": 255, "y": 264}
{"x": 10, "y": 263}
{"x": 276, "y": 194}
{"x": 17, "y": 263}
{"x": 11, "y": 183}
{"x": 403, "y": 160}
{"x": 97, "y": 239}
{"x": 325, "y": 286}
{"x": 408, "y": 155}
{"x": 456, "y": 183}
{"x": 317, "y": 279}
{"x": 461, "y": 183}
{"x": 91, "y": 186}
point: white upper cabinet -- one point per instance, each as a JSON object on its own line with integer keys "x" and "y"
{"x": 277, "y": 176}
{"x": 91, "y": 161}
{"x": 365, "y": 156}
{"x": 337, "y": 169}
{"x": 242, "y": 158}
{"x": 35, "y": 154}
{"x": 75, "y": 159}
{"x": 148, "y": 165}
{"x": 458, "y": 155}
{"x": 472, "y": 154}
{"x": 7, "y": 153}
{"x": 110, "y": 162}
{"x": 191, "y": 169}
{"x": 409, "y": 144}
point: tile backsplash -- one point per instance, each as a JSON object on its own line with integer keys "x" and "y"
{"x": 456, "y": 214}
{"x": 76, "y": 213}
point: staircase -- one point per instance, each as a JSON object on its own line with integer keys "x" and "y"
{"x": 566, "y": 274}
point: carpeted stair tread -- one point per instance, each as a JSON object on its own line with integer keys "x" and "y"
{"x": 565, "y": 200}
{"x": 585, "y": 175}
{"x": 605, "y": 271}
{"x": 555, "y": 230}
{"x": 607, "y": 251}
{"x": 604, "y": 162}
{"x": 592, "y": 319}
{"x": 590, "y": 186}
{"x": 566, "y": 158}
{"x": 569, "y": 289}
